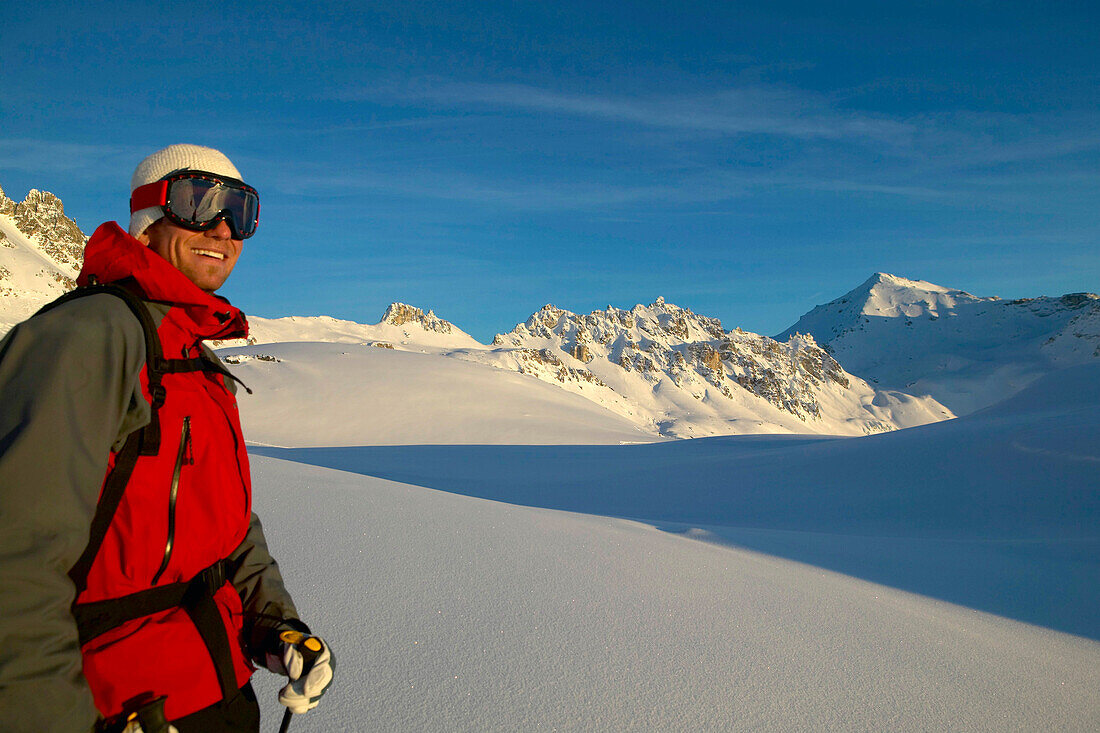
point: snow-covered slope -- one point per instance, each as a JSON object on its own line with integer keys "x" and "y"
{"x": 451, "y": 613}
{"x": 40, "y": 254}
{"x": 967, "y": 352}
{"x": 402, "y": 327}
{"x": 681, "y": 374}
{"x": 356, "y": 394}
{"x": 462, "y": 613}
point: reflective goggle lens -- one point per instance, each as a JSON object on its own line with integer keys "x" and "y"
{"x": 202, "y": 201}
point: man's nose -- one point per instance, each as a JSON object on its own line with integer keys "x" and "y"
{"x": 221, "y": 231}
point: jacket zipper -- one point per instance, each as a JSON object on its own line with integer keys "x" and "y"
{"x": 181, "y": 454}
{"x": 236, "y": 444}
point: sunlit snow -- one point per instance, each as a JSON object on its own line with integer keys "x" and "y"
{"x": 753, "y": 583}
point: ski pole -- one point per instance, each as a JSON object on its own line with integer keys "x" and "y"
{"x": 310, "y": 648}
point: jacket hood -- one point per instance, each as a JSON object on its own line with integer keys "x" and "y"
{"x": 112, "y": 255}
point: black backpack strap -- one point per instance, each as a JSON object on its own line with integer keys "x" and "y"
{"x": 195, "y": 597}
{"x": 105, "y": 509}
{"x": 218, "y": 368}
{"x": 142, "y": 442}
{"x": 200, "y": 364}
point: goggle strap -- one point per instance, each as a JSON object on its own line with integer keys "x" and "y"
{"x": 151, "y": 194}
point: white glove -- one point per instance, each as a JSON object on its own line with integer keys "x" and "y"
{"x": 304, "y": 691}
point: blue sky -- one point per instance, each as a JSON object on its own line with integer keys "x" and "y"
{"x": 746, "y": 160}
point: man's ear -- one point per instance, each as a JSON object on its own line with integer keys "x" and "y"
{"x": 144, "y": 236}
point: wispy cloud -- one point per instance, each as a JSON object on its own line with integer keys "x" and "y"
{"x": 282, "y": 128}
{"x": 948, "y": 139}
{"x": 757, "y": 109}
{"x": 696, "y": 186}
{"x": 456, "y": 186}
{"x": 681, "y": 155}
{"x": 47, "y": 156}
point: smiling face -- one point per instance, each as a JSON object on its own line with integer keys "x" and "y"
{"x": 206, "y": 258}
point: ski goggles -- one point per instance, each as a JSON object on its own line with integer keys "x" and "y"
{"x": 198, "y": 200}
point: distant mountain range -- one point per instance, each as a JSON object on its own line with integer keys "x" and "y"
{"x": 665, "y": 370}
{"x": 967, "y": 352}
{"x": 671, "y": 372}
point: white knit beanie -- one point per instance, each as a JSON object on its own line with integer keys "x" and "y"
{"x": 173, "y": 159}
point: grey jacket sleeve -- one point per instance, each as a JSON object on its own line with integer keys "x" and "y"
{"x": 69, "y": 391}
{"x": 268, "y": 607}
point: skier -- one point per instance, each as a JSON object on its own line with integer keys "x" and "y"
{"x": 136, "y": 586}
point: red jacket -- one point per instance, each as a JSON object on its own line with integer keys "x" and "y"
{"x": 163, "y": 653}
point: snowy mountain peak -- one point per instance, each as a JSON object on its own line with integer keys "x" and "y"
{"x": 403, "y": 327}
{"x": 666, "y": 369}
{"x": 891, "y": 296}
{"x": 399, "y": 314}
{"x": 967, "y": 352}
{"x": 888, "y": 280}
{"x": 881, "y": 296}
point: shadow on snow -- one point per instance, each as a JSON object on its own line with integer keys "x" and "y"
{"x": 943, "y": 511}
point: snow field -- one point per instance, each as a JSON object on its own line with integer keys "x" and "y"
{"x": 460, "y": 610}
{"x": 448, "y": 612}
{"x": 322, "y": 394}
{"x": 998, "y": 511}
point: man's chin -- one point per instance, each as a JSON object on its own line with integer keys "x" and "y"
{"x": 211, "y": 279}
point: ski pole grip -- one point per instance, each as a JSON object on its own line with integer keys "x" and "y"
{"x": 310, "y": 647}
{"x": 151, "y": 716}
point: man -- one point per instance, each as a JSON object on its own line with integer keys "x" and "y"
{"x": 135, "y": 581}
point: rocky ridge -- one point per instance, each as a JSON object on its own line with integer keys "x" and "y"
{"x": 41, "y": 251}
{"x": 657, "y": 356}
{"x": 399, "y": 314}
{"x": 670, "y": 371}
